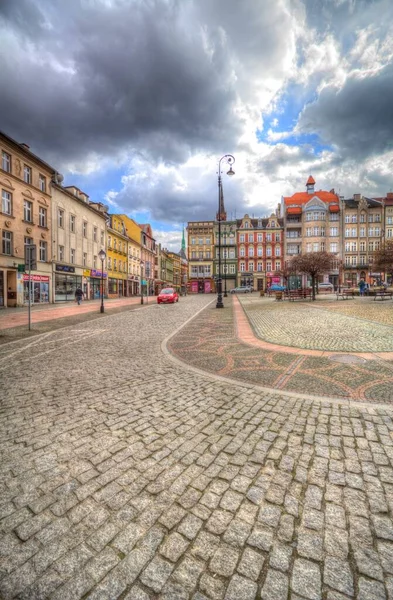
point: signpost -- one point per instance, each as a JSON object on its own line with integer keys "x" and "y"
{"x": 31, "y": 265}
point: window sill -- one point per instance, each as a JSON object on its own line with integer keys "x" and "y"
{"x": 43, "y": 227}
{"x": 7, "y": 215}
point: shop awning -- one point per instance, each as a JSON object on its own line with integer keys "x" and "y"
{"x": 294, "y": 210}
{"x": 334, "y": 208}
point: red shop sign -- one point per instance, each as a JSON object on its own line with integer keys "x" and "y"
{"x": 36, "y": 278}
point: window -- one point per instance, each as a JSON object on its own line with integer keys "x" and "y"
{"x": 268, "y": 251}
{"x": 377, "y": 218}
{"x": 333, "y": 247}
{"x": 242, "y": 238}
{"x": 354, "y": 232}
{"x": 109, "y": 263}
{"x": 84, "y": 259}
{"x": 61, "y": 253}
{"x": 208, "y": 240}
{"x": 94, "y": 234}
{"x": 27, "y": 174}
{"x": 251, "y": 237}
{"x": 268, "y": 237}
{"x": 114, "y": 243}
{"x": 6, "y": 202}
{"x": 200, "y": 241}
{"x": 242, "y": 266}
{"x": 193, "y": 241}
{"x": 259, "y": 266}
{"x": 354, "y": 219}
{"x": 277, "y": 251}
{"x": 60, "y": 218}
{"x": 94, "y": 261}
{"x": 72, "y": 223}
{"x": 362, "y": 232}
{"x": 362, "y": 260}
{"x": 278, "y": 265}
{"x": 362, "y": 246}
{"x": 102, "y": 237}
{"x": 278, "y": 237}
{"x": 308, "y": 247}
{"x": 370, "y": 218}
{"x": 251, "y": 266}
{"x": 377, "y": 231}
{"x": 308, "y": 232}
{"x": 7, "y": 242}
{"x": 371, "y": 246}
{"x": 6, "y": 162}
{"x": 268, "y": 266}
{"x": 207, "y": 253}
{"x": 246, "y": 224}
{"x": 347, "y": 218}
{"x": 115, "y": 264}
{"x": 28, "y": 211}
{"x": 353, "y": 260}
{"x": 42, "y": 217}
{"x": 242, "y": 252}
{"x": 84, "y": 229}
{"x": 232, "y": 269}
{"x": 42, "y": 183}
{"x": 353, "y": 247}
{"x": 251, "y": 251}
{"x": 193, "y": 254}
{"x": 259, "y": 250}
{"x": 43, "y": 251}
{"x": 316, "y": 231}
{"x": 259, "y": 237}
{"x": 389, "y": 220}
{"x": 390, "y": 233}
{"x": 72, "y": 256}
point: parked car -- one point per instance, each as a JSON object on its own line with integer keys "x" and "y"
{"x": 325, "y": 287}
{"x": 275, "y": 287}
{"x": 167, "y": 296}
{"x": 243, "y": 289}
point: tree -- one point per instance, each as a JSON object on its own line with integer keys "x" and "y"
{"x": 383, "y": 258}
{"x": 313, "y": 264}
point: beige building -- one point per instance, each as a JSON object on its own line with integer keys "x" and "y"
{"x": 25, "y": 183}
{"x": 200, "y": 256}
{"x": 79, "y": 233}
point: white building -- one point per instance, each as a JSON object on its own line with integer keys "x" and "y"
{"x": 78, "y": 234}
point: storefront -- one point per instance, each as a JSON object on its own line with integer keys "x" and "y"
{"x": 39, "y": 286}
{"x": 201, "y": 286}
{"x": 92, "y": 282}
{"x": 66, "y": 282}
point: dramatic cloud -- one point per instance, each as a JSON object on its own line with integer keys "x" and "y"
{"x": 136, "y": 100}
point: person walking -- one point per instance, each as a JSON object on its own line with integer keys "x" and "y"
{"x": 362, "y": 287}
{"x": 78, "y": 295}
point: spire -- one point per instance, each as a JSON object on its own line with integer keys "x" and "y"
{"x": 183, "y": 242}
{"x": 221, "y": 215}
{"x": 310, "y": 184}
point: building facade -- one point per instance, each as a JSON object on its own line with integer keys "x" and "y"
{"x": 26, "y": 219}
{"x": 148, "y": 250}
{"x": 229, "y": 267}
{"x": 117, "y": 257}
{"x": 134, "y": 235}
{"x": 79, "y": 233}
{"x": 363, "y": 233}
{"x": 312, "y": 223}
{"x": 200, "y": 256}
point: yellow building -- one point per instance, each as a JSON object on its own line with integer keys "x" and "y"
{"x": 177, "y": 281}
{"x": 117, "y": 257}
{"x": 134, "y": 234}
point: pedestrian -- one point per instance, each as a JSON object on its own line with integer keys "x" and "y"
{"x": 362, "y": 287}
{"x": 78, "y": 295}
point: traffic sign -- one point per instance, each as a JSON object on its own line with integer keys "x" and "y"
{"x": 21, "y": 268}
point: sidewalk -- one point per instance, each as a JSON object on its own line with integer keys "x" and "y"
{"x": 14, "y": 321}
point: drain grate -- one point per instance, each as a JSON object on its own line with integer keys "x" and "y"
{"x": 348, "y": 359}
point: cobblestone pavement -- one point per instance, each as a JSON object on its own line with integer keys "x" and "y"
{"x": 310, "y": 325}
{"x": 126, "y": 475}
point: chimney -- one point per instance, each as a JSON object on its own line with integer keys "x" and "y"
{"x": 24, "y": 146}
{"x": 389, "y": 195}
{"x": 356, "y": 197}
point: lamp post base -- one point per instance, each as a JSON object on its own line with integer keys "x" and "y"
{"x": 102, "y": 309}
{"x": 225, "y": 295}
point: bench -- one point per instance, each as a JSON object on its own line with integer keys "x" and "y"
{"x": 299, "y": 295}
{"x": 345, "y": 294}
{"x": 383, "y": 295}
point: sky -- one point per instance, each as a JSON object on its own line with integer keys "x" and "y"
{"x": 136, "y": 101}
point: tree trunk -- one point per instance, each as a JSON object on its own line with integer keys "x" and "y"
{"x": 313, "y": 286}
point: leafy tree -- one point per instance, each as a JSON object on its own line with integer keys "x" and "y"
{"x": 313, "y": 264}
{"x": 383, "y": 258}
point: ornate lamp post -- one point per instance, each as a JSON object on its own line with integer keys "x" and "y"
{"x": 142, "y": 263}
{"x": 229, "y": 159}
{"x": 102, "y": 257}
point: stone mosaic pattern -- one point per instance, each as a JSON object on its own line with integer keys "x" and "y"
{"x": 210, "y": 343}
{"x": 127, "y": 476}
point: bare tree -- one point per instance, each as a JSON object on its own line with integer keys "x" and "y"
{"x": 383, "y": 258}
{"x": 313, "y": 264}
{"x": 286, "y": 272}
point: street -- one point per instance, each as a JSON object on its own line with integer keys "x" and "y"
{"x": 128, "y": 474}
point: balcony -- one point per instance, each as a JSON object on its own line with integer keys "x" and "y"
{"x": 293, "y": 235}
{"x": 297, "y": 224}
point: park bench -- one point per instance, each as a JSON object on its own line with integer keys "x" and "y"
{"x": 345, "y": 294}
{"x": 383, "y": 295}
{"x": 299, "y": 295}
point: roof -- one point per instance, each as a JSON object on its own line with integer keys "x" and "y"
{"x": 371, "y": 202}
{"x": 26, "y": 150}
{"x": 334, "y": 208}
{"x": 310, "y": 180}
{"x": 304, "y": 197}
{"x": 294, "y": 210}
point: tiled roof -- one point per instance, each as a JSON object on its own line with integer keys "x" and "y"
{"x": 310, "y": 180}
{"x": 304, "y": 197}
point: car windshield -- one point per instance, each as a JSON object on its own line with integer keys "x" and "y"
{"x": 167, "y": 291}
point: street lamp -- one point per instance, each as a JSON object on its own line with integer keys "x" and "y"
{"x": 102, "y": 257}
{"x": 142, "y": 263}
{"x": 229, "y": 159}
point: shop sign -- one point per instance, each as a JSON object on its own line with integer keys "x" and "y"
{"x": 270, "y": 274}
{"x": 36, "y": 278}
{"x": 276, "y": 280}
{"x": 96, "y": 273}
{"x": 86, "y": 272}
{"x": 65, "y": 268}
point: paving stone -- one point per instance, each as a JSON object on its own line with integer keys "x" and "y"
{"x": 156, "y": 574}
{"x": 336, "y": 543}
{"x": 368, "y": 563}
{"x": 261, "y": 538}
{"x": 306, "y": 579}
{"x": 280, "y": 556}
{"x": 188, "y": 573}
{"x": 269, "y": 514}
{"x": 371, "y": 590}
{"x": 337, "y": 575}
{"x": 174, "y": 546}
{"x": 224, "y": 560}
{"x": 241, "y": 588}
{"x": 310, "y": 544}
{"x": 237, "y": 533}
{"x": 205, "y": 545}
{"x": 213, "y": 587}
{"x": 251, "y": 564}
{"x": 136, "y": 593}
{"x": 275, "y": 586}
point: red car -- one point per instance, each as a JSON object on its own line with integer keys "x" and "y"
{"x": 168, "y": 295}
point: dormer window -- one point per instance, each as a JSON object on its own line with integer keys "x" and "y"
{"x": 246, "y": 224}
